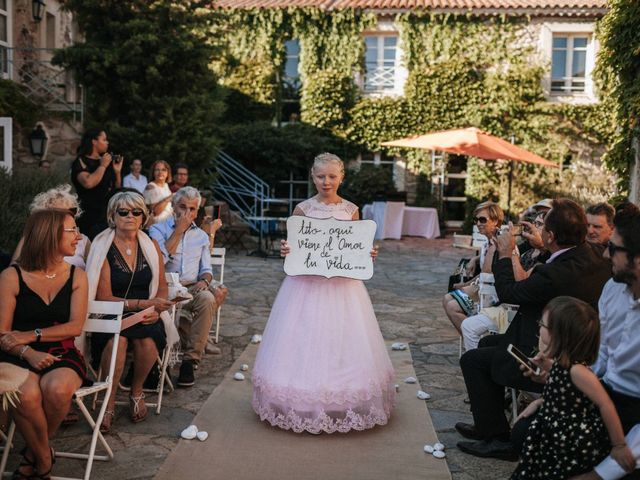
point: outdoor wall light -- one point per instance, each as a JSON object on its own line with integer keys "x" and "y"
{"x": 38, "y": 141}
{"x": 37, "y": 9}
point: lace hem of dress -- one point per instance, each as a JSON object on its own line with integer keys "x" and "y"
{"x": 323, "y": 422}
{"x": 335, "y": 396}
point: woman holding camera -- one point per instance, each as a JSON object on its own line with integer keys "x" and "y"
{"x": 95, "y": 174}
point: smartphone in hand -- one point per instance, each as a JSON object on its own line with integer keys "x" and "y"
{"x": 523, "y": 359}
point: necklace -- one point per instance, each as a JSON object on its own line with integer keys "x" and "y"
{"x": 127, "y": 249}
{"x": 53, "y": 275}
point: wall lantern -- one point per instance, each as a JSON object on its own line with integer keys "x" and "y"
{"x": 37, "y": 9}
{"x": 38, "y": 141}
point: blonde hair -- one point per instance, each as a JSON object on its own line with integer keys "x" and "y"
{"x": 126, "y": 200}
{"x": 493, "y": 209}
{"x": 325, "y": 159}
{"x": 55, "y": 198}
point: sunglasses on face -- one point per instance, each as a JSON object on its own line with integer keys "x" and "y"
{"x": 480, "y": 220}
{"x": 75, "y": 230}
{"x": 542, "y": 325}
{"x": 123, "y": 212}
{"x": 613, "y": 248}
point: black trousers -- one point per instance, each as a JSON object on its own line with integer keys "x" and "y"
{"x": 486, "y": 393}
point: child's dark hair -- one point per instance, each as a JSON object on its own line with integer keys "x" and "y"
{"x": 574, "y": 328}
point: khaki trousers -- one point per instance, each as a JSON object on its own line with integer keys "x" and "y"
{"x": 195, "y": 323}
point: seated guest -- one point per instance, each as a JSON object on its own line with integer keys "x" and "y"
{"x": 44, "y": 306}
{"x": 186, "y": 251}
{"x": 61, "y": 198}
{"x": 125, "y": 265}
{"x": 600, "y": 223}
{"x": 495, "y": 319}
{"x": 575, "y": 268}
{"x": 180, "y": 177}
{"x": 157, "y": 194}
{"x": 458, "y": 304}
{"x": 135, "y": 179}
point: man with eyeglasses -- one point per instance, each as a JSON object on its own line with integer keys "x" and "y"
{"x": 185, "y": 248}
{"x": 574, "y": 268}
{"x": 180, "y": 177}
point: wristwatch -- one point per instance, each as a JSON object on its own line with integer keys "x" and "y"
{"x": 38, "y": 333}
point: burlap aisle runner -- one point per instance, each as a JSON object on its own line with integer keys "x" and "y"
{"x": 240, "y": 447}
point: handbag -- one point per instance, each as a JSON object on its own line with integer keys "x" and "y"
{"x": 459, "y": 274}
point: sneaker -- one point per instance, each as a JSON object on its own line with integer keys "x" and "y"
{"x": 186, "y": 377}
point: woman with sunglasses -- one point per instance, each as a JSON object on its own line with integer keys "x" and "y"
{"x": 60, "y": 198}
{"x": 157, "y": 194}
{"x": 458, "y": 303}
{"x": 125, "y": 265}
{"x": 43, "y": 308}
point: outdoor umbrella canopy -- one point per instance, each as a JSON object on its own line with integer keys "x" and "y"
{"x": 471, "y": 141}
{"x": 476, "y": 143}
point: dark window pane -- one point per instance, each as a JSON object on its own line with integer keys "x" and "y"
{"x": 558, "y": 63}
{"x": 3, "y": 28}
{"x": 292, "y": 47}
{"x": 3, "y": 5}
{"x": 371, "y": 42}
{"x": 559, "y": 42}
{"x": 579, "y": 62}
{"x": 580, "y": 42}
{"x": 390, "y": 41}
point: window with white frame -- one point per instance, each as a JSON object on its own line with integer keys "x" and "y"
{"x": 379, "y": 159}
{"x": 569, "y": 63}
{"x": 5, "y": 39}
{"x": 380, "y": 63}
{"x": 291, "y": 81}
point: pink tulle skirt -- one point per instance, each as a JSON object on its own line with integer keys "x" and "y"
{"x": 322, "y": 364}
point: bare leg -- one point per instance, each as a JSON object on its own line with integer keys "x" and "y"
{"x": 57, "y": 389}
{"x": 455, "y": 314}
{"x": 592, "y": 475}
{"x": 31, "y": 421}
{"x": 121, "y": 357}
{"x": 145, "y": 354}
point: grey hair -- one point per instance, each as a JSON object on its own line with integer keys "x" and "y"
{"x": 127, "y": 199}
{"x": 55, "y": 198}
{"x": 190, "y": 193}
{"x": 326, "y": 158}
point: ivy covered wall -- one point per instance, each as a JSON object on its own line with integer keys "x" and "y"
{"x": 462, "y": 71}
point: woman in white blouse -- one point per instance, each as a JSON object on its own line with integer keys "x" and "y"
{"x": 157, "y": 194}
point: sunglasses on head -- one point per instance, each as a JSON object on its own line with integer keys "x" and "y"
{"x": 613, "y": 248}
{"x": 123, "y": 212}
{"x": 73, "y": 211}
{"x": 481, "y": 220}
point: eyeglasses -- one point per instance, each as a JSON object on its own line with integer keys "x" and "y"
{"x": 123, "y": 212}
{"x": 159, "y": 169}
{"x": 542, "y": 325}
{"x": 73, "y": 211}
{"x": 75, "y": 230}
{"x": 613, "y": 248}
{"x": 539, "y": 224}
{"x": 480, "y": 220}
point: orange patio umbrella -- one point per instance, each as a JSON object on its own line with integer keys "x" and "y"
{"x": 474, "y": 142}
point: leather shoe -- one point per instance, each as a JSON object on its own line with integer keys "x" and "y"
{"x": 492, "y": 448}
{"x": 468, "y": 430}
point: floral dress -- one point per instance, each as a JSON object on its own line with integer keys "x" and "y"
{"x": 567, "y": 437}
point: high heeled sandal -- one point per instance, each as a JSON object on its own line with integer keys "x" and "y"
{"x": 107, "y": 428}
{"x": 135, "y": 407}
{"x": 27, "y": 462}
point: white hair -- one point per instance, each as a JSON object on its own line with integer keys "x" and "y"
{"x": 326, "y": 158}
{"x": 59, "y": 197}
{"x": 189, "y": 193}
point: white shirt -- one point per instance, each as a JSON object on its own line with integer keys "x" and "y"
{"x": 130, "y": 181}
{"x": 619, "y": 357}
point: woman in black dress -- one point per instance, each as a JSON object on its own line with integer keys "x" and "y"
{"x": 131, "y": 270}
{"x": 44, "y": 306}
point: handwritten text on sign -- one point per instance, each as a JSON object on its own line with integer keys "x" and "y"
{"x": 330, "y": 247}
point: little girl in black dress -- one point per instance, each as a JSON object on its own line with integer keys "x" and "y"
{"x": 577, "y": 425}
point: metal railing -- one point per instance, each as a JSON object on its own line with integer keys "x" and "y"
{"x": 48, "y": 85}
{"x": 380, "y": 79}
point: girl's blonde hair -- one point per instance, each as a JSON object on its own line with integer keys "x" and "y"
{"x": 55, "y": 198}
{"x": 325, "y": 159}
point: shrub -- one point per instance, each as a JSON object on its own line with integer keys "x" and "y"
{"x": 365, "y": 184}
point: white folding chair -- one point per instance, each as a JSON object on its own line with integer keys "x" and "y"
{"x": 96, "y": 322}
{"x": 217, "y": 259}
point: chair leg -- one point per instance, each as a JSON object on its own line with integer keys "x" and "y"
{"x": 514, "y": 405}
{"x": 218, "y": 323}
{"x": 7, "y": 447}
{"x": 164, "y": 361}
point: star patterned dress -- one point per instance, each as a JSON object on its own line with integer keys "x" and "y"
{"x": 567, "y": 437}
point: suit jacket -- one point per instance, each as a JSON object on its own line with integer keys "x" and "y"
{"x": 580, "y": 272}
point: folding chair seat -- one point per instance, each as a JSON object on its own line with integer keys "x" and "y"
{"x": 103, "y": 317}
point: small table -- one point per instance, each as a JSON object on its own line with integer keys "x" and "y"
{"x": 420, "y": 222}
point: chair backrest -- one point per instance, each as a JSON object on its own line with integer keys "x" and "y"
{"x": 104, "y": 317}
{"x": 217, "y": 259}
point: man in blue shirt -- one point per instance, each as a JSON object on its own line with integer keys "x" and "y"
{"x": 185, "y": 248}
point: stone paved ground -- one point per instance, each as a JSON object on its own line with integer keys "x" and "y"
{"x": 406, "y": 290}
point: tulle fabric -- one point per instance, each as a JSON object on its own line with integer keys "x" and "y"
{"x": 322, "y": 365}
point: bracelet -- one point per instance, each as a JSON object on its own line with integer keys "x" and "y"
{"x": 24, "y": 349}
{"x": 138, "y": 305}
{"x": 623, "y": 444}
{"x": 126, "y": 304}
{"x": 206, "y": 281}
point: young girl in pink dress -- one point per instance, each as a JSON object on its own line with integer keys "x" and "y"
{"x": 323, "y": 365}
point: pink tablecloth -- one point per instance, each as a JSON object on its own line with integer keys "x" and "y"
{"x": 420, "y": 222}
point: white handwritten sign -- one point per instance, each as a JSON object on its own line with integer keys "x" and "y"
{"x": 330, "y": 247}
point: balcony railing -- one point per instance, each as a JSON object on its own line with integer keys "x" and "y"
{"x": 380, "y": 79}
{"x": 48, "y": 85}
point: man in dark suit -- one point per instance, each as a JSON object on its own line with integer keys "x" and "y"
{"x": 575, "y": 268}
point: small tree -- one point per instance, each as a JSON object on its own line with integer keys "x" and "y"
{"x": 145, "y": 66}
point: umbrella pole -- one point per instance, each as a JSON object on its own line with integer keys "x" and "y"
{"x": 509, "y": 193}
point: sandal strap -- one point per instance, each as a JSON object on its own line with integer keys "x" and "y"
{"x": 136, "y": 402}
